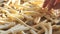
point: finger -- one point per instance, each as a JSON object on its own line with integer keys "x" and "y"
{"x": 51, "y": 4}
{"x": 56, "y": 6}
{"x": 57, "y": 1}
{"x": 45, "y": 3}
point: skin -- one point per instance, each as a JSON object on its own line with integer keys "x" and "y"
{"x": 55, "y": 4}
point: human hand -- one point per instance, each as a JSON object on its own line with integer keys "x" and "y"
{"x": 55, "y": 4}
